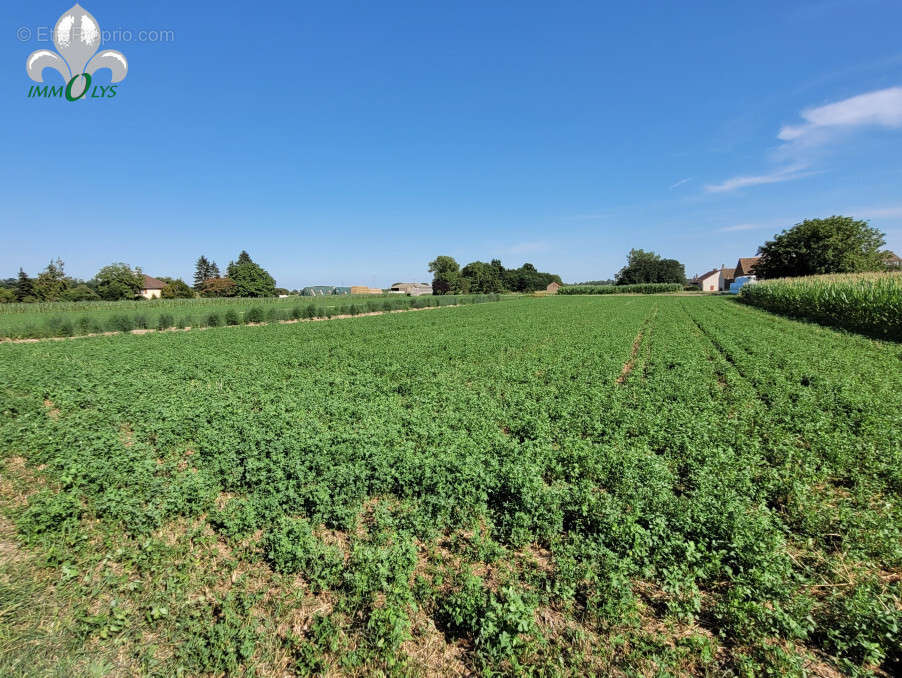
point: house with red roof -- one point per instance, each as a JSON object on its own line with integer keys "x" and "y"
{"x": 152, "y": 288}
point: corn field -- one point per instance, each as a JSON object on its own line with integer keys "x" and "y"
{"x": 870, "y": 303}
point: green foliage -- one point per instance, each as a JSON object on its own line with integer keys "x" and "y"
{"x": 573, "y": 486}
{"x": 649, "y": 288}
{"x": 232, "y": 317}
{"x": 49, "y": 513}
{"x": 446, "y": 275}
{"x": 218, "y": 638}
{"x": 254, "y": 315}
{"x": 25, "y": 291}
{"x": 79, "y": 293}
{"x": 204, "y": 271}
{"x": 51, "y": 283}
{"x": 250, "y": 279}
{"x": 118, "y": 281}
{"x": 864, "y": 625}
{"x": 177, "y": 289}
{"x": 165, "y": 321}
{"x": 820, "y": 246}
{"x": 292, "y": 547}
{"x": 647, "y": 267}
{"x": 870, "y": 304}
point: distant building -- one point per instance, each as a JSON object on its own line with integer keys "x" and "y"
{"x": 411, "y": 289}
{"x": 553, "y": 288}
{"x": 745, "y": 267}
{"x": 727, "y": 276}
{"x": 891, "y": 260}
{"x": 324, "y": 291}
{"x": 152, "y": 288}
{"x": 710, "y": 281}
{"x": 363, "y": 289}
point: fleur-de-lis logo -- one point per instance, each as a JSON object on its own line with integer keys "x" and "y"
{"x": 77, "y": 38}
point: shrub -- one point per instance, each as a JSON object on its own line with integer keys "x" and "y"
{"x": 165, "y": 321}
{"x": 254, "y": 315}
{"x": 121, "y": 323}
{"x": 213, "y": 320}
{"x": 232, "y": 318}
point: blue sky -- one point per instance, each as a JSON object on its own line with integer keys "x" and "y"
{"x": 351, "y": 143}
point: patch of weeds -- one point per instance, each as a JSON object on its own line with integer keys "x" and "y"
{"x": 291, "y": 547}
{"x": 219, "y": 637}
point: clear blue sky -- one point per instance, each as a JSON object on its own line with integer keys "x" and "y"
{"x": 350, "y": 143}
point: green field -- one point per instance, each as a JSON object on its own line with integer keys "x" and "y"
{"x": 66, "y": 319}
{"x": 643, "y": 485}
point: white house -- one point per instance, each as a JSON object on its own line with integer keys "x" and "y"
{"x": 152, "y": 288}
{"x": 710, "y": 281}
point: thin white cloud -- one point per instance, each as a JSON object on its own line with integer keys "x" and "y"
{"x": 882, "y": 108}
{"x": 803, "y": 143}
{"x": 680, "y": 183}
{"x": 785, "y": 174}
{"x": 885, "y": 212}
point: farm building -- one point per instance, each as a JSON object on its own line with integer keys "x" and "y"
{"x": 727, "y": 276}
{"x": 745, "y": 267}
{"x": 710, "y": 281}
{"x": 892, "y": 260}
{"x": 553, "y": 288}
{"x": 411, "y": 289}
{"x": 152, "y": 288}
{"x": 324, "y": 291}
{"x": 363, "y": 289}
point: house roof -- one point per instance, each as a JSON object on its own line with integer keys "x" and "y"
{"x": 153, "y": 283}
{"x": 707, "y": 275}
{"x": 728, "y": 272}
{"x": 891, "y": 258}
{"x": 747, "y": 264}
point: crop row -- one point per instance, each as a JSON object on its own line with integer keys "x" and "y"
{"x": 869, "y": 303}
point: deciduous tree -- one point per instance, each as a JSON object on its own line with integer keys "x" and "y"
{"x": 446, "y": 275}
{"x": 119, "y": 281}
{"x": 52, "y": 282}
{"x": 648, "y": 267}
{"x": 836, "y": 244}
{"x": 177, "y": 289}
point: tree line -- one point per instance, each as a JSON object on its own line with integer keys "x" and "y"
{"x": 479, "y": 277}
{"x": 118, "y": 281}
